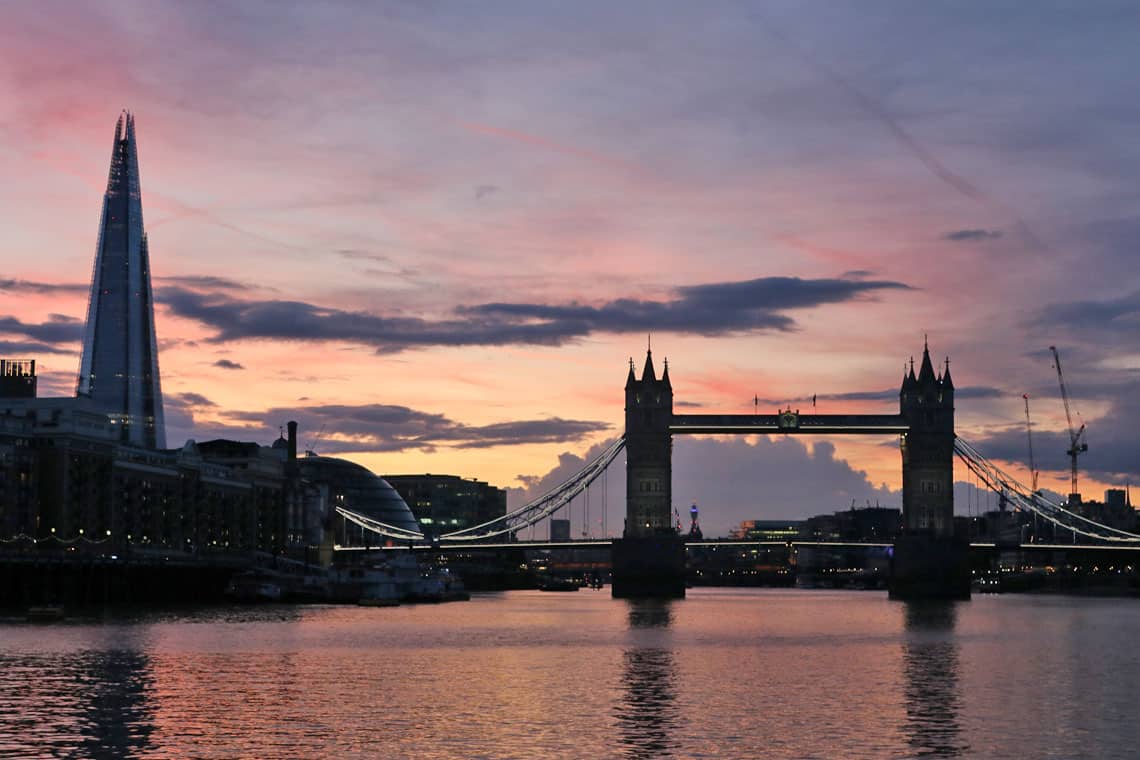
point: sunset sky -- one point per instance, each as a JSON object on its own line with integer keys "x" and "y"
{"x": 435, "y": 233}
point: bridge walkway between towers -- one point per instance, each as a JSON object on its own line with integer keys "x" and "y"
{"x": 789, "y": 422}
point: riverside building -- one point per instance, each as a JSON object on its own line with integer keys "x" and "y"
{"x": 447, "y": 503}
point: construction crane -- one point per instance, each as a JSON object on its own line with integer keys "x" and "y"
{"x": 1029, "y": 435}
{"x": 1076, "y": 446}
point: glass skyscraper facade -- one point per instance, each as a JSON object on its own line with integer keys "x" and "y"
{"x": 119, "y": 368}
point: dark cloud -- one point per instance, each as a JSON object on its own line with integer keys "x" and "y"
{"x": 227, "y": 364}
{"x": 30, "y": 348}
{"x": 713, "y": 309}
{"x": 27, "y": 286}
{"x": 353, "y": 254}
{"x": 1104, "y": 316}
{"x": 335, "y": 428}
{"x": 960, "y": 236}
{"x": 204, "y": 282}
{"x": 553, "y": 430}
{"x": 178, "y": 410}
{"x": 482, "y": 191}
{"x": 191, "y": 399}
{"x": 58, "y": 329}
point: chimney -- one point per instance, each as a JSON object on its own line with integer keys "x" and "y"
{"x": 292, "y": 440}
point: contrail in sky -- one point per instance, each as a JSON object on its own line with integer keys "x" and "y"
{"x": 919, "y": 151}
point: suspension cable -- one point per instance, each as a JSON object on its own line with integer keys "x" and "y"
{"x": 544, "y": 506}
{"x": 1035, "y": 501}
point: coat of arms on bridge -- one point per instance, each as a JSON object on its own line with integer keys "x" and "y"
{"x": 788, "y": 419}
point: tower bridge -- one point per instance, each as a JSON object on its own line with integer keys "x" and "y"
{"x": 648, "y": 559}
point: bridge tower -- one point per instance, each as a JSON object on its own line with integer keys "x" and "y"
{"x": 929, "y": 560}
{"x": 927, "y": 404}
{"x": 649, "y": 559}
{"x": 649, "y": 451}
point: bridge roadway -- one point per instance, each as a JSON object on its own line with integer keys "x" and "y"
{"x": 789, "y": 422}
{"x": 602, "y": 542}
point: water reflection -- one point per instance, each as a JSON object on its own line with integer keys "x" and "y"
{"x": 650, "y": 613}
{"x": 647, "y": 714}
{"x": 117, "y": 717}
{"x": 930, "y": 662}
{"x": 90, "y": 703}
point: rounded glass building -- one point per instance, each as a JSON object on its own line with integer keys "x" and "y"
{"x": 359, "y": 490}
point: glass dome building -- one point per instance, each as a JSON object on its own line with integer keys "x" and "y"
{"x": 358, "y": 489}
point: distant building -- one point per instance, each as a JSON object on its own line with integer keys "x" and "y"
{"x": 559, "y": 529}
{"x": 17, "y": 378}
{"x": 65, "y": 477}
{"x": 447, "y": 503}
{"x": 1114, "y": 511}
{"x": 1002, "y": 526}
{"x": 767, "y": 530}
{"x": 870, "y": 524}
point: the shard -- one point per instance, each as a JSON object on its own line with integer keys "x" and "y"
{"x": 119, "y": 369}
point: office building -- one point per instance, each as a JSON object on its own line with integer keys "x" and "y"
{"x": 118, "y": 371}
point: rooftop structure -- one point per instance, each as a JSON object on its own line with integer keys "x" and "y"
{"x": 17, "y": 378}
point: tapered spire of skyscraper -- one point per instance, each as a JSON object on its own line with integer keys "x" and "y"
{"x": 119, "y": 368}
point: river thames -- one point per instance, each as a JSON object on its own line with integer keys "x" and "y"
{"x": 724, "y": 673}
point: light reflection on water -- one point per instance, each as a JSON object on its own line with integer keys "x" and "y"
{"x": 648, "y": 713}
{"x": 930, "y": 661}
{"x": 724, "y": 673}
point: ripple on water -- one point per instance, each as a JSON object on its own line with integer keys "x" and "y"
{"x": 724, "y": 673}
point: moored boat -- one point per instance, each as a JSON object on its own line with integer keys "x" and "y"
{"x": 254, "y": 586}
{"x": 400, "y": 578}
{"x": 558, "y": 584}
